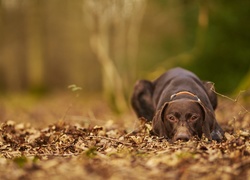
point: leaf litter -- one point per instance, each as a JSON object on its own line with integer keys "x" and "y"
{"x": 83, "y": 151}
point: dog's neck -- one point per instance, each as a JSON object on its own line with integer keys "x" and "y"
{"x": 184, "y": 93}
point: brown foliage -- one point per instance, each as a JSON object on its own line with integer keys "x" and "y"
{"x": 66, "y": 151}
{"x": 69, "y": 150}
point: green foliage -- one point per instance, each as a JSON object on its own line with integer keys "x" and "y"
{"x": 74, "y": 88}
{"x": 21, "y": 161}
{"x": 91, "y": 152}
{"x": 225, "y": 58}
{"x": 35, "y": 159}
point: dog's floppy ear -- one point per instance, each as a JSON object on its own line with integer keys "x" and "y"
{"x": 210, "y": 90}
{"x": 158, "y": 122}
{"x": 208, "y": 121}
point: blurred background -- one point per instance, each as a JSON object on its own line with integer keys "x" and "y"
{"x": 104, "y": 46}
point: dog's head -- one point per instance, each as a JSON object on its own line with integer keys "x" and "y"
{"x": 182, "y": 119}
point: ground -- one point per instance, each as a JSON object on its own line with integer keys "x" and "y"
{"x": 62, "y": 136}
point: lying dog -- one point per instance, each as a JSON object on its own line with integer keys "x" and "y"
{"x": 180, "y": 105}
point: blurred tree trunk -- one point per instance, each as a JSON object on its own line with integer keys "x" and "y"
{"x": 114, "y": 25}
{"x": 10, "y": 46}
{"x": 35, "y": 68}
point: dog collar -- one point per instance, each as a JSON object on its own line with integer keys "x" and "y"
{"x": 184, "y": 92}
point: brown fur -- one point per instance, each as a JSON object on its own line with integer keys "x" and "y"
{"x": 179, "y": 104}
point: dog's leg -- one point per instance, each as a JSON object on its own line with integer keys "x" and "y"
{"x": 141, "y": 100}
{"x": 209, "y": 86}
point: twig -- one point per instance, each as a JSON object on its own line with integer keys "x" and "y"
{"x": 231, "y": 99}
{"x": 140, "y": 128}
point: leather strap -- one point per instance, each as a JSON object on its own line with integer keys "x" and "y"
{"x": 184, "y": 92}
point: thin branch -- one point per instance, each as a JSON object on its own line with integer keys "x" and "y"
{"x": 231, "y": 99}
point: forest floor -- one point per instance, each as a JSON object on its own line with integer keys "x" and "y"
{"x": 64, "y": 137}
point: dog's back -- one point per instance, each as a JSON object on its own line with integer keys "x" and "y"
{"x": 174, "y": 81}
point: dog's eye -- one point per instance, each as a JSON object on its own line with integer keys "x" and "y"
{"x": 194, "y": 117}
{"x": 171, "y": 118}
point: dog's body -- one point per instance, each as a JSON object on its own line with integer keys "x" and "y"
{"x": 180, "y": 105}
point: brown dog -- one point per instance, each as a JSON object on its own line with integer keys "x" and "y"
{"x": 180, "y": 105}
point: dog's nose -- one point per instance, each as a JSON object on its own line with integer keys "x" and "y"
{"x": 182, "y": 137}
